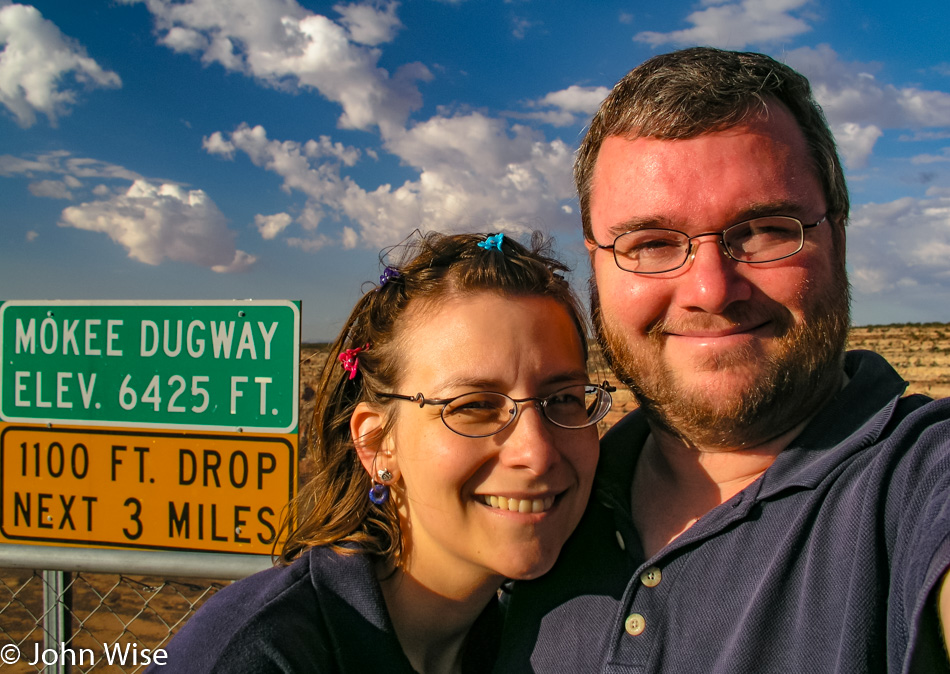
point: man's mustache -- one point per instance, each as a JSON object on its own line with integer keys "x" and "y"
{"x": 739, "y": 315}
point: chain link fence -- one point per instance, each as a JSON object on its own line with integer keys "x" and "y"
{"x": 102, "y": 611}
{"x": 90, "y": 621}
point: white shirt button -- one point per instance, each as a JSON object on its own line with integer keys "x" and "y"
{"x": 635, "y": 624}
{"x": 620, "y": 542}
{"x": 651, "y": 577}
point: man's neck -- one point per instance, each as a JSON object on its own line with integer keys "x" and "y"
{"x": 675, "y": 484}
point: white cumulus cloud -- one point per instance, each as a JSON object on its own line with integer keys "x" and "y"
{"x": 284, "y": 45}
{"x": 735, "y": 25}
{"x": 567, "y": 105}
{"x": 157, "y": 222}
{"x": 575, "y": 98}
{"x": 467, "y": 170}
{"x": 369, "y": 24}
{"x": 297, "y": 163}
{"x": 271, "y": 225}
{"x": 40, "y": 68}
{"x": 856, "y": 142}
{"x": 350, "y": 237}
{"x": 51, "y": 189}
{"x": 901, "y": 243}
{"x": 859, "y": 107}
{"x": 850, "y": 92}
{"x": 216, "y": 144}
{"x": 474, "y": 172}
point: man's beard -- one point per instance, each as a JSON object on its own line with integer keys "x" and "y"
{"x": 791, "y": 382}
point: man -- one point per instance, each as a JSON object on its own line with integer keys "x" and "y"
{"x": 774, "y": 505}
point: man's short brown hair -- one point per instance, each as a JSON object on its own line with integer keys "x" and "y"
{"x": 686, "y": 93}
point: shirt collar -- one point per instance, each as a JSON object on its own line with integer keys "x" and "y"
{"x": 849, "y": 422}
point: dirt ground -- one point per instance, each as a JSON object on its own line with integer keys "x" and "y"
{"x": 920, "y": 352}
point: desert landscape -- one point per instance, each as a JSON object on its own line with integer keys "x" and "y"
{"x": 920, "y": 352}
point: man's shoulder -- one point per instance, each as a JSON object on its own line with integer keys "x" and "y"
{"x": 624, "y": 439}
{"x": 627, "y": 429}
{"x": 871, "y": 407}
{"x": 619, "y": 450}
{"x": 918, "y": 408}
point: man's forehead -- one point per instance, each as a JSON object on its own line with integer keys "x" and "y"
{"x": 759, "y": 167}
{"x": 774, "y": 127}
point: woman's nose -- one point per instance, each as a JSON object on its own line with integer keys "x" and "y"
{"x": 530, "y": 442}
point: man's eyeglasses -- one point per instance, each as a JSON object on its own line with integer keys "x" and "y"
{"x": 655, "y": 250}
{"x": 484, "y": 413}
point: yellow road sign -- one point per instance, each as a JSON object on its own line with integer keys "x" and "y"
{"x": 154, "y": 490}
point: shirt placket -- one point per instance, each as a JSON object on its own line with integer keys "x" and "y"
{"x": 642, "y": 619}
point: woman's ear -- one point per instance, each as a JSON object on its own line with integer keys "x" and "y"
{"x": 366, "y": 429}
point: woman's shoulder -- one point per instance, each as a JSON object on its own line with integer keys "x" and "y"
{"x": 266, "y": 622}
{"x": 264, "y": 587}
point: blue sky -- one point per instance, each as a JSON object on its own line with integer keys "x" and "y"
{"x": 268, "y": 149}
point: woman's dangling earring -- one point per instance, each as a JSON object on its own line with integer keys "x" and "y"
{"x": 379, "y": 492}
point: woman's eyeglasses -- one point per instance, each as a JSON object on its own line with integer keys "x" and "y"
{"x": 484, "y": 413}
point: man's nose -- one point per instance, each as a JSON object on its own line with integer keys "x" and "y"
{"x": 712, "y": 280}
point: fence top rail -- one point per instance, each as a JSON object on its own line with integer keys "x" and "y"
{"x": 214, "y": 565}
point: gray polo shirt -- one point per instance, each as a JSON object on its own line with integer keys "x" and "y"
{"x": 827, "y": 563}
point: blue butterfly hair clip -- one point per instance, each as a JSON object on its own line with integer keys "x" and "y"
{"x": 492, "y": 242}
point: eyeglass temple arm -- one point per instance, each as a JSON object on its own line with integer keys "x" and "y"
{"x": 421, "y": 399}
{"x": 418, "y": 398}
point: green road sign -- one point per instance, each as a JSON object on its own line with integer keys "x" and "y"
{"x": 222, "y": 365}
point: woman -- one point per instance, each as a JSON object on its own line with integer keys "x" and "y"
{"x": 454, "y": 446}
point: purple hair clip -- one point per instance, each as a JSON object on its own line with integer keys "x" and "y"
{"x": 492, "y": 242}
{"x": 388, "y": 275}
{"x": 350, "y": 361}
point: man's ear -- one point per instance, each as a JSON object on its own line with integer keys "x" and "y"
{"x": 840, "y": 238}
{"x": 366, "y": 429}
{"x": 591, "y": 246}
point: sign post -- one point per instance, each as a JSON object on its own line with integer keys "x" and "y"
{"x": 155, "y": 425}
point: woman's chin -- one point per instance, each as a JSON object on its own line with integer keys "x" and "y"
{"x": 529, "y": 570}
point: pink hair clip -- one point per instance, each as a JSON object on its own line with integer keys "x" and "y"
{"x": 349, "y": 359}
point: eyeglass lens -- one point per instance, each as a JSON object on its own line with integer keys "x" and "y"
{"x": 485, "y": 413}
{"x": 758, "y": 240}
